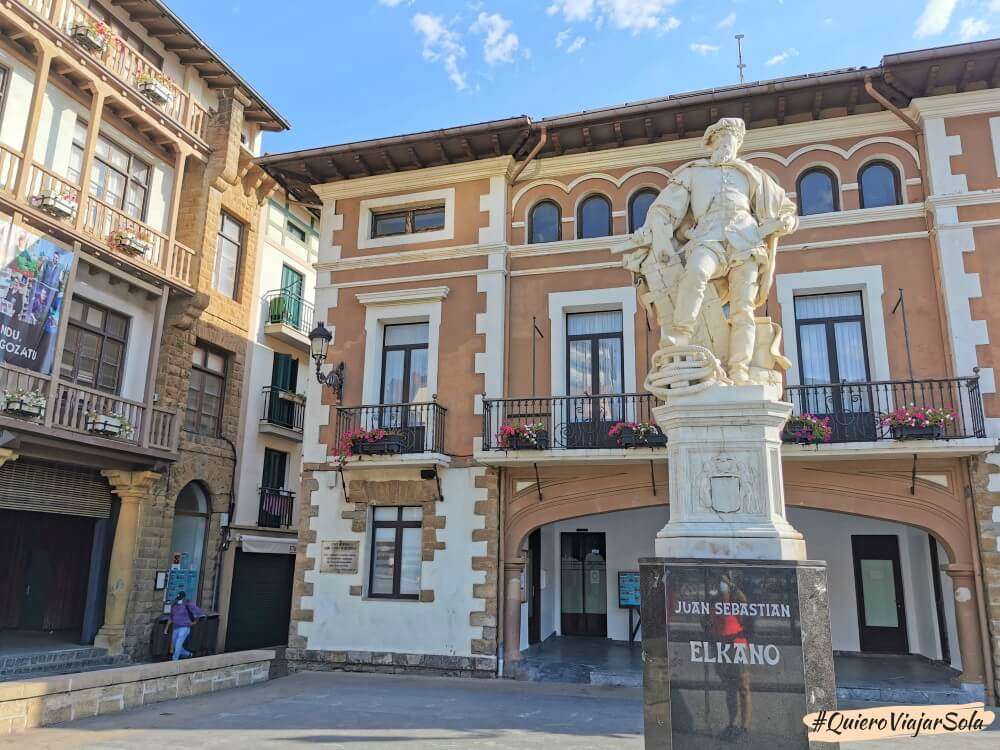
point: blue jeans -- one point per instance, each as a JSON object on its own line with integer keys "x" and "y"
{"x": 180, "y": 635}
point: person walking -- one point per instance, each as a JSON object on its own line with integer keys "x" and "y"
{"x": 183, "y": 614}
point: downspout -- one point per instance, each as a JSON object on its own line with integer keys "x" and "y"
{"x": 977, "y": 571}
{"x": 543, "y": 138}
{"x": 929, "y": 217}
{"x": 224, "y": 533}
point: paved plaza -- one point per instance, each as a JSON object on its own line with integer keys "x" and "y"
{"x": 335, "y": 710}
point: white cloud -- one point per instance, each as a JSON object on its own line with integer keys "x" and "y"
{"x": 562, "y": 37}
{"x": 729, "y": 21}
{"x": 440, "y": 43}
{"x": 704, "y": 49}
{"x": 576, "y": 45}
{"x": 500, "y": 44}
{"x": 394, "y": 3}
{"x": 970, "y": 28}
{"x": 629, "y": 15}
{"x": 783, "y": 56}
{"x": 934, "y": 20}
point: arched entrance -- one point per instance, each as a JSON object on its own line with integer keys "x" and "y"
{"x": 187, "y": 540}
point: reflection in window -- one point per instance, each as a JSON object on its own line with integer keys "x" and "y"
{"x": 593, "y": 218}
{"x": 94, "y": 352}
{"x": 879, "y": 185}
{"x": 638, "y": 207}
{"x": 396, "y": 553}
{"x": 187, "y": 542}
{"x": 545, "y": 223}
{"x": 817, "y": 192}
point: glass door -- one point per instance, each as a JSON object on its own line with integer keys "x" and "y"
{"x": 583, "y": 584}
{"x": 404, "y": 382}
{"x": 595, "y": 367}
{"x": 284, "y": 380}
{"x": 879, "y": 588}
{"x": 292, "y": 283}
{"x": 833, "y": 352}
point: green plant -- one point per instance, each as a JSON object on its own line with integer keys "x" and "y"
{"x": 808, "y": 429}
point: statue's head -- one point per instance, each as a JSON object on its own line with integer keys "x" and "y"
{"x": 724, "y": 138}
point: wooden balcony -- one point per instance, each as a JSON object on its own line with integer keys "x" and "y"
{"x": 10, "y": 166}
{"x": 74, "y": 20}
{"x": 49, "y": 407}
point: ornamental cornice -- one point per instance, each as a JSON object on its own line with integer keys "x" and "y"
{"x": 412, "y": 180}
{"x": 957, "y": 105}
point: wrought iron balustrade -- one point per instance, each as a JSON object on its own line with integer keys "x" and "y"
{"x": 391, "y": 428}
{"x": 855, "y": 410}
{"x": 275, "y": 510}
{"x": 283, "y": 409}
{"x": 283, "y": 306}
{"x": 566, "y": 422}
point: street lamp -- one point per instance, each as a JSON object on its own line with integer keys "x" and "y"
{"x": 319, "y": 339}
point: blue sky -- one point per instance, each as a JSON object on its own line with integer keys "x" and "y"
{"x": 346, "y": 70}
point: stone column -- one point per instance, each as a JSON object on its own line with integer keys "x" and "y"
{"x": 132, "y": 487}
{"x": 967, "y": 622}
{"x": 512, "y": 570}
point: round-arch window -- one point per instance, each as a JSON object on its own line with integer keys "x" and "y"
{"x": 638, "y": 208}
{"x": 593, "y": 218}
{"x": 187, "y": 542}
{"x": 545, "y": 223}
{"x": 817, "y": 192}
{"x": 879, "y": 185}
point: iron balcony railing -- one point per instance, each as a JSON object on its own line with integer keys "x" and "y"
{"x": 285, "y": 307}
{"x": 570, "y": 422}
{"x": 283, "y": 409}
{"x": 387, "y": 429}
{"x": 856, "y": 410}
{"x": 275, "y": 510}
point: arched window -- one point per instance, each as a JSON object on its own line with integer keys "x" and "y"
{"x": 187, "y": 542}
{"x": 879, "y": 185}
{"x": 817, "y": 192}
{"x": 593, "y": 217}
{"x": 545, "y": 223}
{"x": 638, "y": 207}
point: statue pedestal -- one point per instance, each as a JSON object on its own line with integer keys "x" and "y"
{"x": 726, "y": 488}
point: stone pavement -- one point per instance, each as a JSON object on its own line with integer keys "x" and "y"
{"x": 337, "y": 710}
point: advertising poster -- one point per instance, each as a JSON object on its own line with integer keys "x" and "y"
{"x": 33, "y": 273}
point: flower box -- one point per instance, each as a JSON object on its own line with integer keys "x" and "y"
{"x": 24, "y": 407}
{"x": 390, "y": 445}
{"x": 807, "y": 429}
{"x": 525, "y": 443}
{"x": 297, "y": 398}
{"x": 108, "y": 425}
{"x": 57, "y": 205}
{"x": 907, "y": 432}
{"x": 89, "y": 37}
{"x": 156, "y": 91}
{"x": 633, "y": 438}
{"x": 130, "y": 243}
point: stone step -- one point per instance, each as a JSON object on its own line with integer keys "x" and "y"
{"x": 99, "y": 660}
{"x": 49, "y": 657}
{"x": 909, "y": 695}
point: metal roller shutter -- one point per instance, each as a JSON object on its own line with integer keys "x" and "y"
{"x": 54, "y": 488}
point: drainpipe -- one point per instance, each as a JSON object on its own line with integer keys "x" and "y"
{"x": 929, "y": 217}
{"x": 542, "y": 140}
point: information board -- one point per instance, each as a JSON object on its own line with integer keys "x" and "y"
{"x": 628, "y": 589}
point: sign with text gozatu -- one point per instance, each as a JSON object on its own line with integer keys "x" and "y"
{"x": 33, "y": 273}
{"x": 338, "y": 556}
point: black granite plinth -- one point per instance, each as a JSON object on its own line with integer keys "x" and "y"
{"x": 735, "y": 653}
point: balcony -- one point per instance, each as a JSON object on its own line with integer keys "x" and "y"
{"x": 117, "y": 57}
{"x": 37, "y": 404}
{"x": 288, "y": 317}
{"x": 283, "y": 414}
{"x": 391, "y": 430}
{"x": 275, "y": 510}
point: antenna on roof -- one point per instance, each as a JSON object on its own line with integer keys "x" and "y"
{"x": 739, "y": 50}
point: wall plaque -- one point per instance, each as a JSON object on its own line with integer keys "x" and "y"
{"x": 339, "y": 556}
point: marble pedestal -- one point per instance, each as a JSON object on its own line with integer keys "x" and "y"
{"x": 726, "y": 489}
{"x": 713, "y": 679}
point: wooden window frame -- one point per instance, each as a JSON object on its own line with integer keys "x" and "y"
{"x": 835, "y": 189}
{"x": 104, "y": 337}
{"x": 579, "y": 216}
{"x": 631, "y": 206}
{"x": 129, "y": 179}
{"x": 896, "y": 179}
{"x": 408, "y": 215}
{"x": 407, "y": 350}
{"x": 829, "y": 330}
{"x": 4, "y": 87}
{"x": 223, "y": 376}
{"x": 240, "y": 248}
{"x": 399, "y": 524}
{"x": 531, "y": 222}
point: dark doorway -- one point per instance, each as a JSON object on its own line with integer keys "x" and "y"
{"x": 535, "y": 586}
{"x": 260, "y": 600}
{"x": 284, "y": 378}
{"x": 584, "y": 584}
{"x": 45, "y": 559}
{"x": 879, "y": 587}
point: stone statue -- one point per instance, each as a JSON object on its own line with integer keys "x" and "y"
{"x": 704, "y": 262}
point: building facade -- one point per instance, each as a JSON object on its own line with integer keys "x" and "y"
{"x": 129, "y": 213}
{"x": 485, "y": 479}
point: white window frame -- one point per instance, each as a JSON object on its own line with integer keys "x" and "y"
{"x": 864, "y": 279}
{"x": 371, "y": 206}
